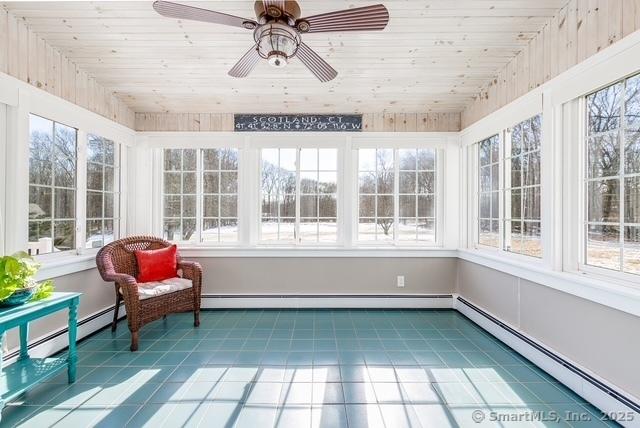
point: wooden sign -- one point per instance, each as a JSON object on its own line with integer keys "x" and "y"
{"x": 298, "y": 122}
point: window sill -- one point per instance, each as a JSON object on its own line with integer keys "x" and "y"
{"x": 600, "y": 290}
{"x": 280, "y": 251}
{"x": 53, "y": 266}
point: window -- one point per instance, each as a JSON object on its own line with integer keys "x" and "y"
{"x": 52, "y": 186}
{"x": 220, "y": 195}
{"x": 103, "y": 191}
{"x": 522, "y": 188}
{"x": 200, "y": 195}
{"x": 489, "y": 192}
{"x": 179, "y": 198}
{"x": 299, "y": 195}
{"x": 612, "y": 179}
{"x": 396, "y": 195}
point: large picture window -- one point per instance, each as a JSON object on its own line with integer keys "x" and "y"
{"x": 103, "y": 191}
{"x": 180, "y": 194}
{"x": 396, "y": 195}
{"x": 220, "y": 195}
{"x": 612, "y": 179}
{"x": 299, "y": 195}
{"x": 52, "y": 186}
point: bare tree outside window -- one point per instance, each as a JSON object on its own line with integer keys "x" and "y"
{"x": 52, "y": 186}
{"x": 612, "y": 181}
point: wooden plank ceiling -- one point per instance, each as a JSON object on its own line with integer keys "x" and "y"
{"x": 435, "y": 55}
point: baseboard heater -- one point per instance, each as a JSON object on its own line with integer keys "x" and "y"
{"x": 327, "y": 296}
{"x": 558, "y": 359}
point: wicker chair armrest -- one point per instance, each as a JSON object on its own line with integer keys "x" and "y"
{"x": 190, "y": 270}
{"x": 121, "y": 278}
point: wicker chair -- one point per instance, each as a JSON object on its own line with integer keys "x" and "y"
{"x": 117, "y": 263}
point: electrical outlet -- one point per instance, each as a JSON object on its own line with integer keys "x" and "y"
{"x": 400, "y": 281}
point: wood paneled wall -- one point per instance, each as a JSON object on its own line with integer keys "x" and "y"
{"x": 26, "y": 56}
{"x": 578, "y": 31}
{"x": 372, "y": 122}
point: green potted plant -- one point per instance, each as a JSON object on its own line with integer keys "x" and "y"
{"x": 17, "y": 282}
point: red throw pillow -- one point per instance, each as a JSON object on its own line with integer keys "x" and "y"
{"x": 157, "y": 265}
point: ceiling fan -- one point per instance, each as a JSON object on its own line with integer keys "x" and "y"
{"x": 278, "y": 31}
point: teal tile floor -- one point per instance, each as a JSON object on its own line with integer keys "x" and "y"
{"x": 305, "y": 368}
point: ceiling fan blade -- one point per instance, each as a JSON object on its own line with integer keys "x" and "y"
{"x": 182, "y": 11}
{"x": 247, "y": 63}
{"x": 368, "y": 18}
{"x": 319, "y": 67}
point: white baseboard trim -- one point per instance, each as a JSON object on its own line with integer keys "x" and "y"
{"x": 57, "y": 340}
{"x": 321, "y": 301}
{"x": 557, "y": 365}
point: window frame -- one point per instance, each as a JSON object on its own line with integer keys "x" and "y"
{"x": 439, "y": 173}
{"x": 473, "y": 154}
{"x": 117, "y": 191}
{"x": 199, "y": 195}
{"x": 296, "y": 242}
{"x": 582, "y": 129}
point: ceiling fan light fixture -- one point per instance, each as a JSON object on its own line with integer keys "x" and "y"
{"x": 277, "y": 43}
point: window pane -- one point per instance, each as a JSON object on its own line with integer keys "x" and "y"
{"x": 426, "y": 230}
{"x": 65, "y": 204}
{"x": 309, "y": 230}
{"x": 513, "y": 236}
{"x": 94, "y": 205}
{"x": 210, "y": 182}
{"x": 210, "y": 205}
{"x": 172, "y": 206}
{"x": 288, "y": 206}
{"x": 426, "y": 182}
{"x": 487, "y": 236}
{"x": 485, "y": 178}
{"x": 95, "y": 150}
{"x": 210, "y": 230}
{"x": 426, "y": 159}
{"x": 188, "y": 229}
{"x": 604, "y": 155}
{"x": 288, "y": 159}
{"x": 64, "y": 235}
{"x": 269, "y": 229}
{"x": 65, "y": 172}
{"x": 632, "y": 200}
{"x": 426, "y": 206}
{"x": 632, "y": 249}
{"x": 172, "y": 159}
{"x": 384, "y": 229}
{"x": 603, "y": 246}
{"x": 367, "y": 206}
{"x": 367, "y": 159}
{"x": 407, "y": 182}
{"x": 632, "y": 103}
{"x": 327, "y": 182}
{"x": 531, "y": 239}
{"x": 228, "y": 159}
{"x": 516, "y": 140}
{"x": 632, "y": 153}
{"x": 531, "y": 203}
{"x": 189, "y": 160}
{"x": 603, "y": 108}
{"x": 64, "y": 141}
{"x": 228, "y": 230}
{"x": 229, "y": 182}
{"x": 603, "y": 200}
{"x": 407, "y": 229}
{"x": 172, "y": 230}
{"x": 40, "y": 172}
{"x": 514, "y": 198}
{"x": 367, "y": 182}
{"x": 94, "y": 234}
{"x": 95, "y": 178}
{"x": 308, "y": 206}
{"x": 309, "y": 159}
{"x": 309, "y": 182}
{"x": 485, "y": 205}
{"x": 189, "y": 206}
{"x": 327, "y": 230}
{"x": 367, "y": 229}
{"x": 516, "y": 172}
{"x": 189, "y": 183}
{"x": 210, "y": 160}
{"x": 39, "y": 202}
{"x": 384, "y": 206}
{"x": 328, "y": 206}
{"x": 485, "y": 152}
{"x": 407, "y": 206}
{"x": 328, "y": 159}
{"x": 408, "y": 160}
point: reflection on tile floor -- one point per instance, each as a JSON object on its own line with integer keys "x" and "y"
{"x": 288, "y": 368}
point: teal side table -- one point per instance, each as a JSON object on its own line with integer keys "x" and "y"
{"x": 27, "y": 372}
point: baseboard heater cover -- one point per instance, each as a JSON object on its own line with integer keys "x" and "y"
{"x": 327, "y": 301}
{"x": 555, "y": 357}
